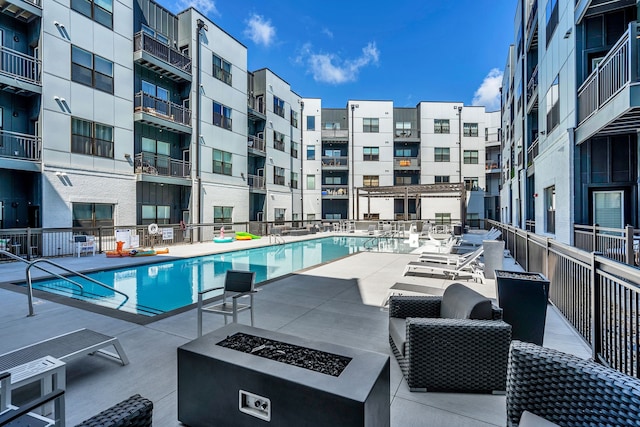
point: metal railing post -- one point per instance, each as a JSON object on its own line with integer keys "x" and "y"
{"x": 526, "y": 251}
{"x": 100, "y": 240}
{"x": 629, "y": 253}
{"x": 594, "y": 238}
{"x": 596, "y": 315}
{"x": 28, "y": 244}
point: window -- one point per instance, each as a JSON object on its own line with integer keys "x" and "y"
{"x": 403, "y": 129}
{"x": 553, "y": 106}
{"x": 294, "y": 149}
{"x": 156, "y": 157}
{"x": 222, "y": 162}
{"x": 222, "y": 116}
{"x": 91, "y": 70}
{"x": 158, "y": 100}
{"x": 403, "y": 180}
{"x": 552, "y": 18}
{"x": 370, "y": 125}
{"x": 473, "y": 220}
{"x": 278, "y": 175}
{"x": 371, "y": 154}
{"x": 486, "y": 134}
{"x": 443, "y": 218}
{"x": 471, "y": 184}
{"x": 91, "y": 138}
{"x": 311, "y": 122}
{"x": 278, "y": 140}
{"x": 332, "y": 125}
{"x": 294, "y": 180}
{"x": 403, "y": 152}
{"x": 550, "y": 209}
{"x": 311, "y": 182}
{"x": 89, "y": 215}
{"x": 221, "y": 69}
{"x": 156, "y": 35}
{"x": 470, "y": 129}
{"x": 294, "y": 119}
{"x": 311, "y": 217}
{"x": 278, "y": 106}
{"x": 311, "y": 152}
{"x": 100, "y": 11}
{"x": 470, "y": 157}
{"x": 441, "y": 126}
{"x": 156, "y": 214}
{"x": 440, "y": 179}
{"x": 441, "y": 154}
{"x": 222, "y": 214}
{"x": 278, "y": 215}
{"x": 371, "y": 181}
{"x": 332, "y": 180}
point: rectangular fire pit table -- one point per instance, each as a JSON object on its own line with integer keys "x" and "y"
{"x": 222, "y": 386}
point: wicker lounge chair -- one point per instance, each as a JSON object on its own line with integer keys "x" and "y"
{"x": 455, "y": 342}
{"x": 567, "y": 390}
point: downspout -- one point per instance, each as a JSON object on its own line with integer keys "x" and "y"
{"x": 200, "y": 25}
{"x": 302, "y": 154}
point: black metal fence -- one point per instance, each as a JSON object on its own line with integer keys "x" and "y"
{"x": 599, "y": 296}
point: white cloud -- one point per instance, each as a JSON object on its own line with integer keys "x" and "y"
{"x": 203, "y": 6}
{"x": 488, "y": 94}
{"x": 327, "y": 32}
{"x": 260, "y": 31}
{"x": 329, "y": 68}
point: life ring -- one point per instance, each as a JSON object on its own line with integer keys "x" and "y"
{"x": 153, "y": 228}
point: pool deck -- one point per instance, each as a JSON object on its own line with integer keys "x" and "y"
{"x": 339, "y": 302}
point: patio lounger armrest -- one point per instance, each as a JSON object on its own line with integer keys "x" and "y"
{"x": 414, "y": 306}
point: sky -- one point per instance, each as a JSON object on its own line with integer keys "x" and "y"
{"x": 406, "y": 51}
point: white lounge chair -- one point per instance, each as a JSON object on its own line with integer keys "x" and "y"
{"x": 469, "y": 268}
{"x": 449, "y": 259}
{"x": 476, "y": 239}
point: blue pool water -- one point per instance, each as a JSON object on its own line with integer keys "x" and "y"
{"x": 162, "y": 287}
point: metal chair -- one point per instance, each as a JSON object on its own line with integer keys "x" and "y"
{"x": 237, "y": 284}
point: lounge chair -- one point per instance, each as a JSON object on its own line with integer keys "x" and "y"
{"x": 469, "y": 268}
{"x": 449, "y": 259}
{"x": 476, "y": 239}
{"x": 371, "y": 230}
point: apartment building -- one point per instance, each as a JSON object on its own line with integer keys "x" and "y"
{"x": 373, "y": 144}
{"x": 569, "y": 116}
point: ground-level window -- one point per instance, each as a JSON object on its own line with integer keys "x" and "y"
{"x": 222, "y": 214}
{"x": 278, "y": 215}
{"x": 471, "y": 184}
{"x": 371, "y": 216}
{"x": 92, "y": 215}
{"x": 473, "y": 220}
{"x": 311, "y": 217}
{"x": 443, "y": 218}
{"x": 439, "y": 179}
{"x": 550, "y": 209}
{"x": 156, "y": 214}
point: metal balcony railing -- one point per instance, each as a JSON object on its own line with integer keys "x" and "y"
{"x": 278, "y": 145}
{"x": 155, "y": 164}
{"x": 256, "y": 103}
{"x": 335, "y": 190}
{"x": 256, "y": 143}
{"x": 610, "y": 76}
{"x": 20, "y": 145}
{"x": 335, "y": 162}
{"x": 406, "y": 162}
{"x": 335, "y": 133}
{"x": 256, "y": 182}
{"x": 532, "y": 85}
{"x": 162, "y": 108}
{"x": 532, "y": 151}
{"x": 17, "y": 64}
{"x": 154, "y": 47}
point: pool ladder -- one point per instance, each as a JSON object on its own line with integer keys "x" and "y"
{"x": 59, "y": 276}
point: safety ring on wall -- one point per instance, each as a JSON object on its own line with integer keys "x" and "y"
{"x": 153, "y": 228}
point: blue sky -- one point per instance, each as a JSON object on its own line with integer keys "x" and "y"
{"x": 405, "y": 51}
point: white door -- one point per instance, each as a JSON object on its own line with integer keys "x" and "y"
{"x": 608, "y": 208}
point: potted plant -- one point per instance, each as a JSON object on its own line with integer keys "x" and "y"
{"x": 523, "y": 298}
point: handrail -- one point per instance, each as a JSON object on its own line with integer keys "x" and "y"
{"x": 59, "y": 276}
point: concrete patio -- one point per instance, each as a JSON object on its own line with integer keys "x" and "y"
{"x": 339, "y": 302}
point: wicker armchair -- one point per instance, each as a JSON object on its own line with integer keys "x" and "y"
{"x": 136, "y": 411}
{"x": 448, "y": 354}
{"x": 567, "y": 390}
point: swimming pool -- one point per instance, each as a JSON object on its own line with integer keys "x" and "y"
{"x": 162, "y": 287}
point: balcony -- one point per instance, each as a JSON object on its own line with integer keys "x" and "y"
{"x": 532, "y": 91}
{"x": 256, "y": 183}
{"x": 329, "y": 162}
{"x": 403, "y": 163}
{"x": 19, "y": 73}
{"x": 20, "y": 146}
{"x": 161, "y": 58}
{"x": 22, "y": 10}
{"x": 335, "y": 191}
{"x": 609, "y": 99}
{"x": 335, "y": 135}
{"x": 532, "y": 151}
{"x": 161, "y": 113}
{"x": 492, "y": 167}
{"x": 161, "y": 166}
{"x": 256, "y": 144}
{"x": 407, "y": 134}
{"x": 256, "y": 108}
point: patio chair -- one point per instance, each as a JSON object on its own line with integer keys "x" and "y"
{"x": 450, "y": 259}
{"x": 456, "y": 342}
{"x": 476, "y": 239}
{"x": 237, "y": 284}
{"x": 468, "y": 268}
{"x": 84, "y": 244}
{"x": 566, "y": 390}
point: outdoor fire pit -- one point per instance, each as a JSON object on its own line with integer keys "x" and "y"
{"x": 244, "y": 376}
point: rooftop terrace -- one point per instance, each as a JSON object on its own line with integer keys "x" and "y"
{"x": 338, "y": 302}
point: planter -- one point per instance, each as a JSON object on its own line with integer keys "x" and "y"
{"x": 222, "y": 381}
{"x": 523, "y": 298}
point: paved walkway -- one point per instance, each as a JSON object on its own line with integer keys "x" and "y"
{"x": 338, "y": 302}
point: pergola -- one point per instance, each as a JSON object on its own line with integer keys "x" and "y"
{"x": 417, "y": 192}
